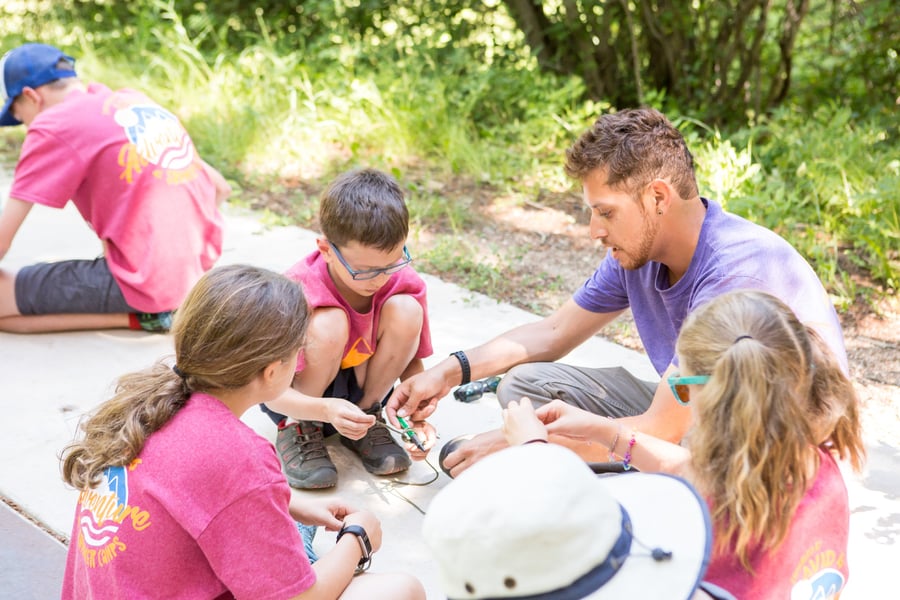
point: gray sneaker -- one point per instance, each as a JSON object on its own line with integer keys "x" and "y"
{"x": 304, "y": 457}
{"x": 380, "y": 453}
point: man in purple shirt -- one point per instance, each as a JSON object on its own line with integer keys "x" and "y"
{"x": 668, "y": 252}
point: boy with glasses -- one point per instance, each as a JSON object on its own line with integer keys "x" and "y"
{"x": 369, "y": 327}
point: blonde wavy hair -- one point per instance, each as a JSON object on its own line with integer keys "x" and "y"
{"x": 235, "y": 321}
{"x": 771, "y": 400}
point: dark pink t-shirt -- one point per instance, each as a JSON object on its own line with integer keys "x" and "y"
{"x": 202, "y": 513}
{"x": 811, "y": 563}
{"x": 320, "y": 291}
{"x": 132, "y": 171}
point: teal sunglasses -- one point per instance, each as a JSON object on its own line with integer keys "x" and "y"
{"x": 679, "y": 386}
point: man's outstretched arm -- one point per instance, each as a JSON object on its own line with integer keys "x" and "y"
{"x": 546, "y": 340}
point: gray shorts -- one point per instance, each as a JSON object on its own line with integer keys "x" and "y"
{"x": 612, "y": 391}
{"x": 69, "y": 287}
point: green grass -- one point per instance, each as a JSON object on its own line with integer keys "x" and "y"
{"x": 283, "y": 111}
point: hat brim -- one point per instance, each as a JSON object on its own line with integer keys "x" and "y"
{"x": 6, "y": 117}
{"x": 666, "y": 513}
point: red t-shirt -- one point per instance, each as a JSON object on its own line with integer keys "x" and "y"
{"x": 320, "y": 291}
{"x": 201, "y": 513}
{"x": 132, "y": 171}
{"x": 811, "y": 562}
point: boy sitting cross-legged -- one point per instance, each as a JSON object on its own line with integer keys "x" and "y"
{"x": 369, "y": 327}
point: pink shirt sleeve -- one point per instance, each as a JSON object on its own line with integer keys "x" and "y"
{"x": 257, "y": 564}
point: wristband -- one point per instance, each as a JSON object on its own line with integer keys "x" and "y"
{"x": 364, "y": 545}
{"x": 464, "y": 364}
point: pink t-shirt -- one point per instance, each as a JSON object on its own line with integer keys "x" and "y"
{"x": 811, "y": 563}
{"x": 132, "y": 171}
{"x": 201, "y": 513}
{"x": 320, "y": 291}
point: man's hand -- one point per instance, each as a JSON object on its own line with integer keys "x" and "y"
{"x": 471, "y": 451}
{"x": 520, "y": 424}
{"x": 349, "y": 420}
{"x": 417, "y": 397}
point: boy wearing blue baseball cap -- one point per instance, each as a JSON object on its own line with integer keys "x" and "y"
{"x": 133, "y": 173}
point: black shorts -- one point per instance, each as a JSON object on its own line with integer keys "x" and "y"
{"x": 69, "y": 287}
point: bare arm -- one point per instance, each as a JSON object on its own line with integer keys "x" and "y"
{"x": 546, "y": 340}
{"x": 11, "y": 220}
{"x": 666, "y": 418}
{"x": 304, "y": 401}
{"x": 590, "y": 435}
{"x": 223, "y": 188}
{"x": 601, "y": 436}
{"x": 414, "y": 367}
{"x": 549, "y": 339}
{"x": 346, "y": 417}
{"x": 323, "y": 512}
{"x": 335, "y": 570}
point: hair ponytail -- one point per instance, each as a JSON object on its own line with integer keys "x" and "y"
{"x": 833, "y": 405}
{"x": 234, "y": 322}
{"x": 751, "y": 440}
{"x": 770, "y": 401}
{"x": 116, "y": 432}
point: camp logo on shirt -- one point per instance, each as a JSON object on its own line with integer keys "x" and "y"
{"x": 817, "y": 577}
{"x": 155, "y": 137}
{"x": 359, "y": 353}
{"x": 102, "y": 512}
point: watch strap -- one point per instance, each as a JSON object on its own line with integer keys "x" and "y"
{"x": 364, "y": 544}
{"x": 464, "y": 366}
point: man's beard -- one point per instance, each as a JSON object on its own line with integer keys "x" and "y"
{"x": 632, "y": 260}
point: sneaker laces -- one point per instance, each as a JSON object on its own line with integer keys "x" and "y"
{"x": 379, "y": 434}
{"x": 311, "y": 441}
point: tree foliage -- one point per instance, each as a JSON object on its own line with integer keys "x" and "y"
{"x": 725, "y": 61}
{"x": 727, "y": 57}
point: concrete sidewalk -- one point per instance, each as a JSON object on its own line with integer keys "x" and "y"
{"x": 49, "y": 381}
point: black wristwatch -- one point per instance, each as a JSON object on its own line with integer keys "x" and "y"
{"x": 364, "y": 545}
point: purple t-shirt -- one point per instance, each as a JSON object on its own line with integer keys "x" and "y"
{"x": 201, "y": 513}
{"x": 732, "y": 254}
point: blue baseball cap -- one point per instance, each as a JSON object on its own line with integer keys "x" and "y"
{"x": 29, "y": 65}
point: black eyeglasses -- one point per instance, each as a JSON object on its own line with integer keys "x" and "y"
{"x": 372, "y": 273}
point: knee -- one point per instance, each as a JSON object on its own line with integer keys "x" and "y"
{"x": 410, "y": 587}
{"x": 328, "y": 331}
{"x": 8, "y": 305}
{"x": 401, "y": 316}
{"x": 521, "y": 380}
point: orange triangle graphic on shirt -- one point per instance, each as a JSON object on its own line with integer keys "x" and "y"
{"x": 357, "y": 355}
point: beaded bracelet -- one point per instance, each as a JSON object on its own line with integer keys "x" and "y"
{"x": 626, "y": 460}
{"x": 612, "y": 447}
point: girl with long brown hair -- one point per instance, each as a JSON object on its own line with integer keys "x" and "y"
{"x": 179, "y": 498}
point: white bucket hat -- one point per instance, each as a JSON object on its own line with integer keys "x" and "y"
{"x": 533, "y": 522}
